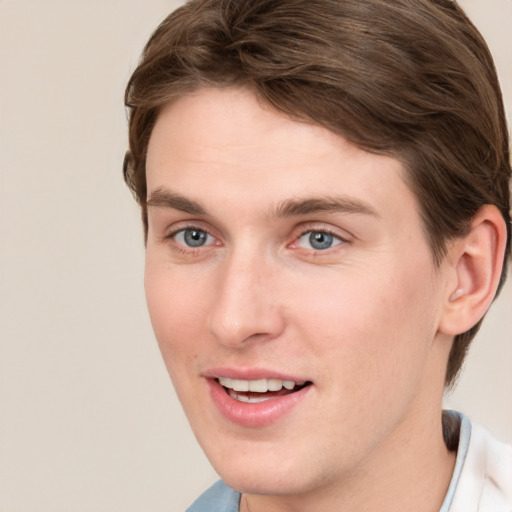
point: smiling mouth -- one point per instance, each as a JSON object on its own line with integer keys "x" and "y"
{"x": 260, "y": 390}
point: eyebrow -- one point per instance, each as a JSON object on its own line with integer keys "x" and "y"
{"x": 308, "y": 206}
{"x": 162, "y": 198}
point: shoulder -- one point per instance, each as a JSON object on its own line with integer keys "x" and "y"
{"x": 485, "y": 483}
{"x": 218, "y": 498}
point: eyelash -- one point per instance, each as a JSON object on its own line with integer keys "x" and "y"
{"x": 323, "y": 231}
{"x": 186, "y": 249}
{"x": 181, "y": 247}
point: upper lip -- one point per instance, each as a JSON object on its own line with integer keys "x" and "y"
{"x": 252, "y": 374}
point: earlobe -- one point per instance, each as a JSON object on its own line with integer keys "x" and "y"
{"x": 477, "y": 261}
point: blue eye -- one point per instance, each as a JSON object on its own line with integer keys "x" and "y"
{"x": 192, "y": 237}
{"x": 318, "y": 240}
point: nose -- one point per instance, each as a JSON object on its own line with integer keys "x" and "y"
{"x": 246, "y": 305}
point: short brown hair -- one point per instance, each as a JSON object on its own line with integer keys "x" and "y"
{"x": 409, "y": 78}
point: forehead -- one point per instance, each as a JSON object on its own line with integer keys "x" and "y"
{"x": 224, "y": 144}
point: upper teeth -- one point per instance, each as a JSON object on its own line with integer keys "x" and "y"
{"x": 259, "y": 385}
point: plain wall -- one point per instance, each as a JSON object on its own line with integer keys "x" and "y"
{"x": 88, "y": 418}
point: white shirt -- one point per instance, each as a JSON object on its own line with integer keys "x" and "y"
{"x": 482, "y": 478}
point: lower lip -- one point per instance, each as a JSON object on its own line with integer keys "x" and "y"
{"x": 258, "y": 414}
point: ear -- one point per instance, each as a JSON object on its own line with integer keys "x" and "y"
{"x": 476, "y": 261}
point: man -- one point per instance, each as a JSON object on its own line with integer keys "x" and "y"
{"x": 324, "y": 189}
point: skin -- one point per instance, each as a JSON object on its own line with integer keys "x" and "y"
{"x": 362, "y": 319}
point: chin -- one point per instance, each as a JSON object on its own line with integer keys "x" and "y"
{"x": 267, "y": 476}
{"x": 263, "y": 483}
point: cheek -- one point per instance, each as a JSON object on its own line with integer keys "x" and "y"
{"x": 175, "y": 306}
{"x": 371, "y": 326}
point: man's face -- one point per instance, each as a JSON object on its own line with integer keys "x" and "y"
{"x": 280, "y": 254}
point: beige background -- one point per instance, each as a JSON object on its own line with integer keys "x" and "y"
{"x": 88, "y": 418}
